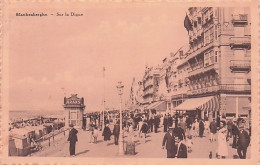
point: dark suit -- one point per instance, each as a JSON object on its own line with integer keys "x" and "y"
{"x": 170, "y": 145}
{"x": 156, "y": 124}
{"x": 165, "y": 124}
{"x": 242, "y": 144}
{"x": 179, "y": 132}
{"x": 116, "y": 132}
{"x": 182, "y": 151}
{"x": 72, "y": 139}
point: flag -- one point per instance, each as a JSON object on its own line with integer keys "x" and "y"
{"x": 187, "y": 23}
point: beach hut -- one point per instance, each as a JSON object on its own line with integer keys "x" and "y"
{"x": 19, "y": 145}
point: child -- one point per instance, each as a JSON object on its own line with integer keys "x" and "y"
{"x": 95, "y": 134}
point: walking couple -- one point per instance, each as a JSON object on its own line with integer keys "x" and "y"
{"x": 174, "y": 144}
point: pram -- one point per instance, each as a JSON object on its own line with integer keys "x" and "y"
{"x": 35, "y": 145}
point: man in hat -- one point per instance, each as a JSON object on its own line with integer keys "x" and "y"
{"x": 169, "y": 142}
{"x": 243, "y": 139}
{"x": 116, "y": 132}
{"x": 213, "y": 130}
{"x": 72, "y": 139}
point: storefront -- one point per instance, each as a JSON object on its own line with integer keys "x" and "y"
{"x": 202, "y": 107}
{"x": 234, "y": 106}
{"x": 160, "y": 107}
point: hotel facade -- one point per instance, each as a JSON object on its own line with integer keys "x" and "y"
{"x": 214, "y": 77}
{"x": 211, "y": 75}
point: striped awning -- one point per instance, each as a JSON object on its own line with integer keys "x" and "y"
{"x": 159, "y": 106}
{"x": 210, "y": 103}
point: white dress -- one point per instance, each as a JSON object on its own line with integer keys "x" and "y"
{"x": 222, "y": 149}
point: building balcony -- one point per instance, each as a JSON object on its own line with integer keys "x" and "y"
{"x": 235, "y": 87}
{"x": 240, "y": 42}
{"x": 198, "y": 51}
{"x": 240, "y": 19}
{"x": 241, "y": 88}
{"x": 199, "y": 70}
{"x": 240, "y": 65}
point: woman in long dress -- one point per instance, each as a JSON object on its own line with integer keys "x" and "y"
{"x": 107, "y": 133}
{"x": 222, "y": 150}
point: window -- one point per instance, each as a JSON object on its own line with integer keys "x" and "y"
{"x": 206, "y": 36}
{"x": 211, "y": 57}
{"x": 206, "y": 59}
{"x": 211, "y": 37}
{"x": 199, "y": 20}
{"x": 216, "y": 56}
{"x": 216, "y": 32}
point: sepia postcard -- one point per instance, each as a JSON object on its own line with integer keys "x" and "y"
{"x": 129, "y": 82}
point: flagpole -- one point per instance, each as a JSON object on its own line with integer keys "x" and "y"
{"x": 104, "y": 99}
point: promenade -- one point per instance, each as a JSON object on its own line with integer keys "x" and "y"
{"x": 151, "y": 149}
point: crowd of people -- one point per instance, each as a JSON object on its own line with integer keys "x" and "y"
{"x": 187, "y": 128}
{"x": 180, "y": 131}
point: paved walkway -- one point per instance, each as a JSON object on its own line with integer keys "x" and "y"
{"x": 151, "y": 149}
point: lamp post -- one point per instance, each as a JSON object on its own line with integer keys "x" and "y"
{"x": 120, "y": 87}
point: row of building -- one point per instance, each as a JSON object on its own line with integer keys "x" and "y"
{"x": 210, "y": 76}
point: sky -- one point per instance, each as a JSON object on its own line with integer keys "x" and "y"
{"x": 52, "y": 57}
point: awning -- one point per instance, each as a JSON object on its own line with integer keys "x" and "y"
{"x": 159, "y": 106}
{"x": 151, "y": 105}
{"x": 210, "y": 103}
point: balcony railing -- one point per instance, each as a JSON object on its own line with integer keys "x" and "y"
{"x": 241, "y": 19}
{"x": 240, "y": 42}
{"x": 223, "y": 88}
{"x": 200, "y": 69}
{"x": 235, "y": 87}
{"x": 240, "y": 65}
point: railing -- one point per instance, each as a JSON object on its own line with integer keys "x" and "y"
{"x": 39, "y": 143}
{"x": 240, "y": 18}
{"x": 240, "y": 42}
{"x": 200, "y": 69}
{"x": 240, "y": 65}
{"x": 235, "y": 87}
{"x": 223, "y": 87}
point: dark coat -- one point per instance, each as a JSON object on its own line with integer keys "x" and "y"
{"x": 106, "y": 133}
{"x": 189, "y": 122}
{"x": 229, "y": 125}
{"x": 201, "y": 125}
{"x": 235, "y": 130}
{"x": 156, "y": 121}
{"x": 179, "y": 132}
{"x": 144, "y": 128}
{"x": 116, "y": 129}
{"x": 165, "y": 121}
{"x": 73, "y": 135}
{"x": 182, "y": 151}
{"x": 170, "y": 121}
{"x": 170, "y": 141}
{"x": 213, "y": 127}
{"x": 243, "y": 140}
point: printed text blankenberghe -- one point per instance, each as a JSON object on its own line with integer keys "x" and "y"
{"x": 32, "y": 14}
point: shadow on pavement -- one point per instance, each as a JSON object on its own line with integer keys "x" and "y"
{"x": 83, "y": 152}
{"x": 235, "y": 157}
